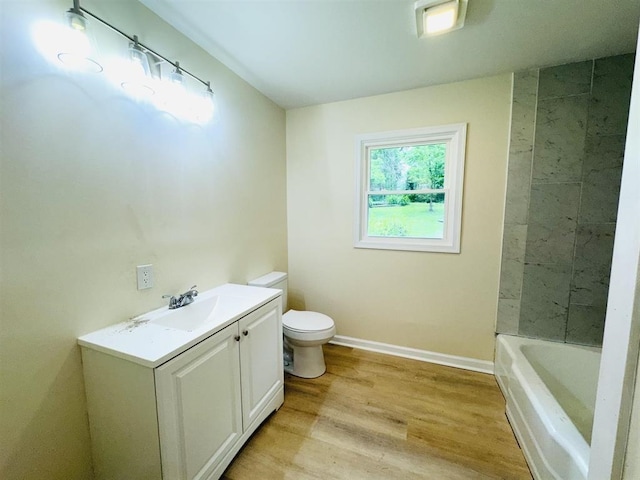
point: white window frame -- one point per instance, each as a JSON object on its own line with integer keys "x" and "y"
{"x": 454, "y": 136}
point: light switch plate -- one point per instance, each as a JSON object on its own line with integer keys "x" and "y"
{"x": 145, "y": 276}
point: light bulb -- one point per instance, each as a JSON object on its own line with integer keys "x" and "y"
{"x": 76, "y": 21}
{"x": 77, "y": 49}
{"x": 440, "y": 18}
{"x": 138, "y": 80}
{"x": 205, "y": 106}
{"x": 176, "y": 76}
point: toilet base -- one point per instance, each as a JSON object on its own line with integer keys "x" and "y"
{"x": 308, "y": 362}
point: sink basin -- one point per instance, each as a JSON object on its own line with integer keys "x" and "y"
{"x": 202, "y": 312}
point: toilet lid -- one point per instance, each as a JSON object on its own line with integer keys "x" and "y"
{"x": 306, "y": 321}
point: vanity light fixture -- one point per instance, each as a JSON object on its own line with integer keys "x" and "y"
{"x": 79, "y": 51}
{"x": 208, "y": 93}
{"x": 434, "y": 17}
{"x": 139, "y": 72}
{"x": 78, "y": 48}
{"x": 173, "y": 97}
{"x": 205, "y": 111}
{"x": 176, "y": 76}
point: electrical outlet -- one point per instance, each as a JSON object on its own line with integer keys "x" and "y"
{"x": 145, "y": 276}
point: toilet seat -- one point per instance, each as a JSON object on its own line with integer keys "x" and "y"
{"x": 307, "y": 326}
{"x": 305, "y": 321}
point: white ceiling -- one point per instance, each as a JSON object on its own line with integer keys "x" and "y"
{"x": 306, "y": 52}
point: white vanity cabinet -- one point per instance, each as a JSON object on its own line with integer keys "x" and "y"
{"x": 206, "y": 395}
{"x": 187, "y": 417}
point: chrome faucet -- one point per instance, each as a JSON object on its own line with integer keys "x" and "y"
{"x": 182, "y": 300}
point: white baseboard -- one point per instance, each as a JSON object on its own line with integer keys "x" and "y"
{"x": 483, "y": 366}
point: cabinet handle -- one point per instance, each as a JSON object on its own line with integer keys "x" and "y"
{"x": 245, "y": 332}
{"x": 237, "y": 338}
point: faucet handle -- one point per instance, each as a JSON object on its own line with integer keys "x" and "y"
{"x": 173, "y": 301}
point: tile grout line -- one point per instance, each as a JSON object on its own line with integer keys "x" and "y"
{"x": 575, "y": 239}
{"x": 533, "y": 151}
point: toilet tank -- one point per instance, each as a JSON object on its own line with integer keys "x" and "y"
{"x": 273, "y": 280}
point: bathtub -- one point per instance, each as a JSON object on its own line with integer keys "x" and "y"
{"x": 550, "y": 390}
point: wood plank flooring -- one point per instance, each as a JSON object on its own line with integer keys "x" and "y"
{"x": 374, "y": 416}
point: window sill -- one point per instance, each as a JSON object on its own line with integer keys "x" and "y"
{"x": 412, "y": 245}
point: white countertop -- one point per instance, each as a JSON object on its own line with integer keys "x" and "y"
{"x": 142, "y": 341}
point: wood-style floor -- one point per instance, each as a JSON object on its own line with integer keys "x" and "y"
{"x": 374, "y": 416}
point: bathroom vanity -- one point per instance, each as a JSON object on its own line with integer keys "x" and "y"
{"x": 174, "y": 394}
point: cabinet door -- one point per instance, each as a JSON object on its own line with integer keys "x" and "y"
{"x": 199, "y": 406}
{"x": 261, "y": 359}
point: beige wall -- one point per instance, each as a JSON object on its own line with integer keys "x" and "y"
{"x": 438, "y": 302}
{"x": 93, "y": 184}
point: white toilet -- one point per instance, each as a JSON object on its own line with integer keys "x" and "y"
{"x": 304, "y": 332}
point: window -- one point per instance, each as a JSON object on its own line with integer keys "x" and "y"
{"x": 409, "y": 189}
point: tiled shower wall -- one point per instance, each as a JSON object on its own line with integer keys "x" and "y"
{"x": 565, "y": 162}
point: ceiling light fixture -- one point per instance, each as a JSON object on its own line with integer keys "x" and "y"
{"x": 434, "y": 17}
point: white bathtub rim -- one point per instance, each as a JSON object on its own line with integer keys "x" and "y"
{"x": 565, "y": 434}
{"x": 560, "y": 428}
